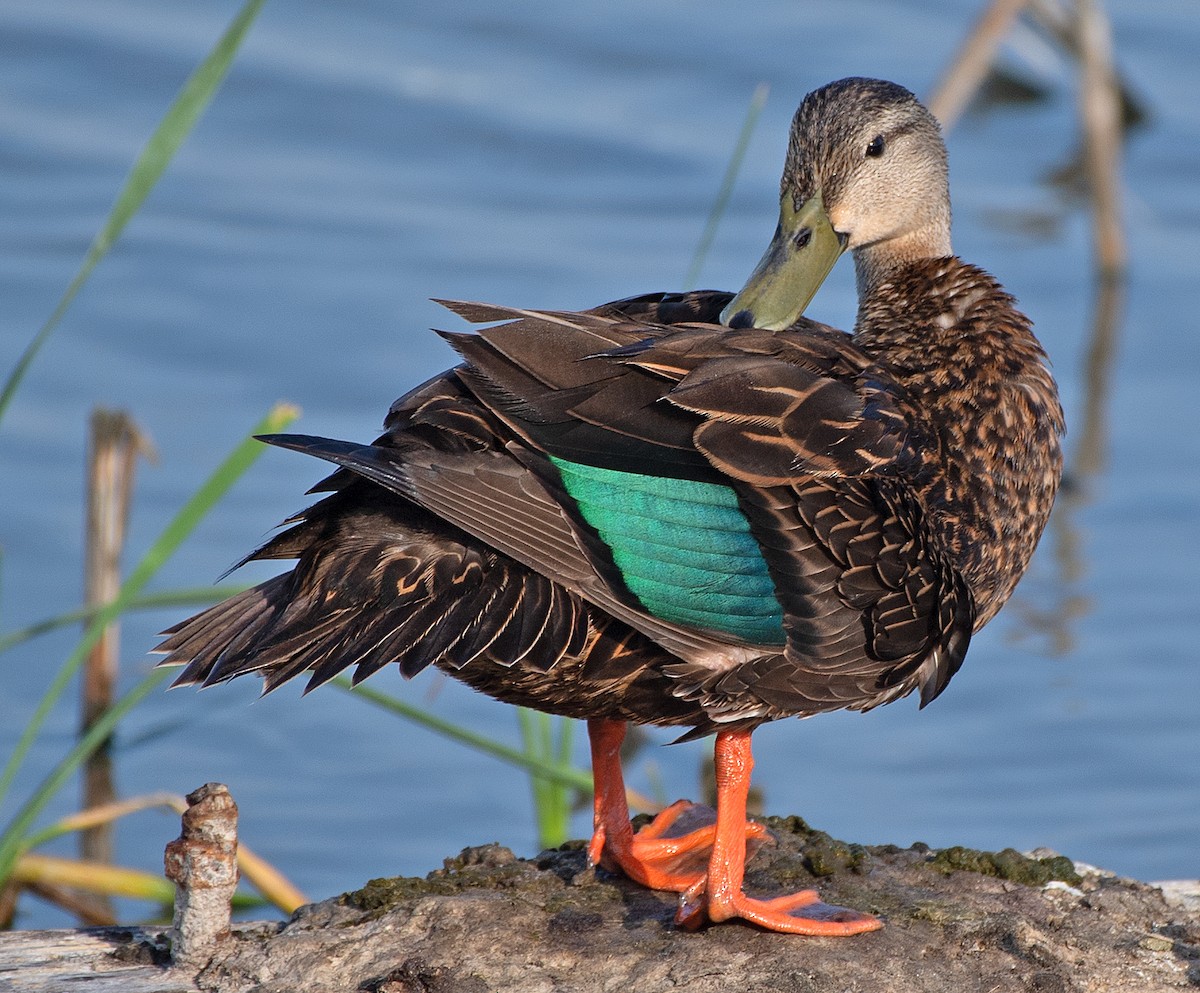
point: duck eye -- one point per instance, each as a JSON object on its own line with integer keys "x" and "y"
{"x": 875, "y": 148}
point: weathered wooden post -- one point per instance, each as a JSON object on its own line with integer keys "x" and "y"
{"x": 202, "y": 863}
{"x": 114, "y": 447}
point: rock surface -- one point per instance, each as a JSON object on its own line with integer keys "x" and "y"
{"x": 956, "y": 921}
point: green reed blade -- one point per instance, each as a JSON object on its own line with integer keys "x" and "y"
{"x": 558, "y": 772}
{"x": 753, "y": 112}
{"x": 201, "y": 596}
{"x": 173, "y": 535}
{"x": 178, "y": 123}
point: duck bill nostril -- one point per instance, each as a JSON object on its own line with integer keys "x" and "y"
{"x": 800, "y": 256}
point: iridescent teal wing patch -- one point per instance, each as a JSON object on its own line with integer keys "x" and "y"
{"x": 683, "y": 547}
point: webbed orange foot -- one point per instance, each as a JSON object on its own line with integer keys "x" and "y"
{"x": 718, "y": 895}
{"x": 796, "y": 913}
{"x": 671, "y": 852}
{"x": 701, "y": 854}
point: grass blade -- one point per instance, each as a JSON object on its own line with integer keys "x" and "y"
{"x": 201, "y": 596}
{"x": 13, "y": 841}
{"x": 561, "y": 772}
{"x": 173, "y": 535}
{"x": 551, "y": 800}
{"x": 110, "y": 880}
{"x": 553, "y": 771}
{"x": 269, "y": 881}
{"x": 148, "y": 168}
{"x": 93, "y": 877}
{"x": 106, "y": 814}
{"x": 753, "y": 112}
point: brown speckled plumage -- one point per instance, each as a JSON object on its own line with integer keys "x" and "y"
{"x": 897, "y": 481}
{"x": 976, "y": 375}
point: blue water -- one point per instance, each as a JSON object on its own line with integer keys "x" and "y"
{"x": 364, "y": 157}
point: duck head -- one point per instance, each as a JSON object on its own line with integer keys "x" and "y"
{"x": 866, "y": 171}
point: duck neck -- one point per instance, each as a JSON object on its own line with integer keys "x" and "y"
{"x": 878, "y": 262}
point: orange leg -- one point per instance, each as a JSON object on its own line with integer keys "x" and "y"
{"x": 718, "y": 896}
{"x": 668, "y": 853}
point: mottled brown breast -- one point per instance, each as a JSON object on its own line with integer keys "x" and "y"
{"x": 987, "y": 410}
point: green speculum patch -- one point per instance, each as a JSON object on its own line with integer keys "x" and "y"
{"x": 684, "y": 549}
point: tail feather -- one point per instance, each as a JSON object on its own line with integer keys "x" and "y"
{"x": 374, "y": 585}
{"x": 225, "y": 633}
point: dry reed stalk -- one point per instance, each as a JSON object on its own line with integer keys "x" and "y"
{"x": 969, "y": 68}
{"x": 115, "y": 444}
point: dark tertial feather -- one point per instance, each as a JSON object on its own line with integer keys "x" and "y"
{"x": 546, "y": 376}
{"x": 770, "y": 407}
{"x": 767, "y": 422}
{"x": 855, "y": 638}
{"x": 647, "y": 309}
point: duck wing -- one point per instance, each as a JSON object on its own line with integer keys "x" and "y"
{"x": 741, "y": 498}
{"x": 819, "y": 447}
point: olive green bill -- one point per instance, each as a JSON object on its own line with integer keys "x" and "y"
{"x": 800, "y": 256}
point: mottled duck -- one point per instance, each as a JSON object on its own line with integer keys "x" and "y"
{"x": 700, "y": 509}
